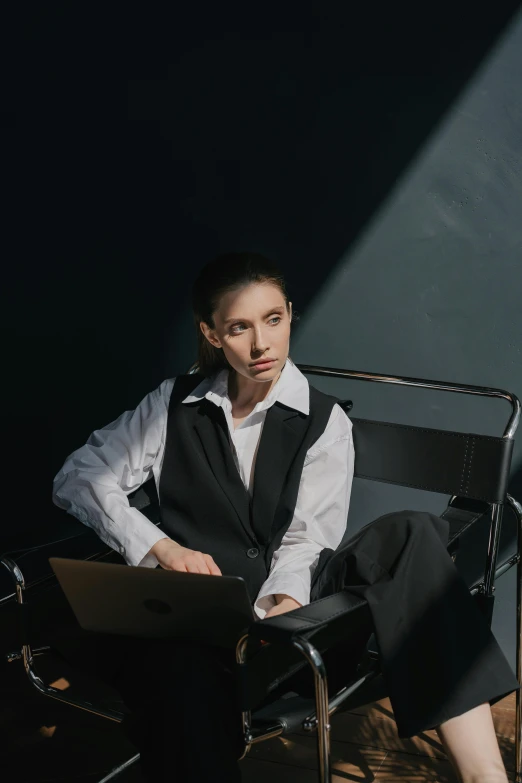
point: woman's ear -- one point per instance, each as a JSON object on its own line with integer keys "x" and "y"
{"x": 290, "y": 310}
{"x": 210, "y": 334}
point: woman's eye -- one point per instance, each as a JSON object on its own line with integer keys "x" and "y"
{"x": 238, "y": 328}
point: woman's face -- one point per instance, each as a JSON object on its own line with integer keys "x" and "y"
{"x": 252, "y": 326}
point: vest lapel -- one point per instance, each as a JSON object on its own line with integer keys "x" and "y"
{"x": 212, "y": 430}
{"x": 281, "y": 437}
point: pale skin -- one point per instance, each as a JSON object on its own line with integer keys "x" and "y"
{"x": 253, "y": 323}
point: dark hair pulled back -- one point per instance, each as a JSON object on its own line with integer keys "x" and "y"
{"x": 227, "y": 272}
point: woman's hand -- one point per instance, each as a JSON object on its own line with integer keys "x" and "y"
{"x": 284, "y": 604}
{"x": 174, "y": 557}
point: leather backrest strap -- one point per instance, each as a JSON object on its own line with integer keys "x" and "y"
{"x": 452, "y": 463}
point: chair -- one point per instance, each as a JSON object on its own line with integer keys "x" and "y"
{"x": 472, "y": 469}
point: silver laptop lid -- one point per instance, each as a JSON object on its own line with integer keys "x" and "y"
{"x": 146, "y": 602}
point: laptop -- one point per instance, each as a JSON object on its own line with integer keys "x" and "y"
{"x": 155, "y": 603}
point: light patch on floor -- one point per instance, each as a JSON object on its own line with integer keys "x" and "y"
{"x": 46, "y": 731}
{"x": 61, "y": 684}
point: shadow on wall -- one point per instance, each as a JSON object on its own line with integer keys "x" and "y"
{"x": 281, "y": 134}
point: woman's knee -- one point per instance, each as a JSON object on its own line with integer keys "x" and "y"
{"x": 420, "y": 525}
{"x": 430, "y": 524}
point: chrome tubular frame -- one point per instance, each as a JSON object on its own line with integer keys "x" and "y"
{"x": 460, "y": 388}
{"x": 490, "y": 571}
{"x": 120, "y": 768}
{"x": 310, "y": 723}
{"x": 324, "y": 708}
{"x": 316, "y": 662}
{"x": 251, "y": 734}
{"x": 319, "y": 719}
{"x": 246, "y": 718}
{"x": 481, "y": 391}
{"x": 488, "y": 587}
{"x": 517, "y": 509}
{"x": 27, "y": 655}
{"x": 321, "y": 701}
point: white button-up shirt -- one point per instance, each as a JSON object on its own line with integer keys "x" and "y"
{"x": 96, "y": 479}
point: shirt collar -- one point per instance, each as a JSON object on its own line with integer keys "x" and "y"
{"x": 291, "y": 389}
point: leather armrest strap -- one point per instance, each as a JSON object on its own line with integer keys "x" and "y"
{"x": 308, "y": 620}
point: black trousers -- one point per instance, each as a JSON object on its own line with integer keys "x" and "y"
{"x": 439, "y": 657}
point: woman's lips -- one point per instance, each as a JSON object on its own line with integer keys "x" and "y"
{"x": 263, "y": 365}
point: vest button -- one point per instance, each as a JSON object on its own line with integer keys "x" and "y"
{"x": 252, "y": 552}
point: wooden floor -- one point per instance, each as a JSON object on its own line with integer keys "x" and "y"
{"x": 43, "y": 741}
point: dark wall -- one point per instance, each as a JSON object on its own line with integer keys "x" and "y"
{"x": 353, "y": 145}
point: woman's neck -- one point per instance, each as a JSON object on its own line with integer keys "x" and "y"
{"x": 245, "y": 393}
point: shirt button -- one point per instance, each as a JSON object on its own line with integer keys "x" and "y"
{"x": 252, "y": 552}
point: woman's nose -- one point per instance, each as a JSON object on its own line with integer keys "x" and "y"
{"x": 260, "y": 342}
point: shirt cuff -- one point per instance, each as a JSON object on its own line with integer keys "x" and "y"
{"x": 133, "y": 539}
{"x": 149, "y": 561}
{"x": 292, "y": 585}
{"x": 135, "y": 546}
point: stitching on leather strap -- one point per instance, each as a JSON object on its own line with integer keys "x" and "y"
{"x": 469, "y": 464}
{"x": 464, "y": 467}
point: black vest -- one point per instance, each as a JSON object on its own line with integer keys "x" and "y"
{"x": 203, "y": 502}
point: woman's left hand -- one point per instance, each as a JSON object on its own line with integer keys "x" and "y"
{"x": 284, "y": 604}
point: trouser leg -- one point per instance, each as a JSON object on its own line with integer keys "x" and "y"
{"x": 185, "y": 708}
{"x": 184, "y": 715}
{"x": 438, "y": 655}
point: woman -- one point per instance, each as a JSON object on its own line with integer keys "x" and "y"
{"x": 254, "y": 470}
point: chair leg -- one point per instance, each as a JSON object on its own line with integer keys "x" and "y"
{"x": 321, "y": 704}
{"x": 517, "y": 508}
{"x": 518, "y": 698}
{"x": 27, "y": 654}
{"x": 241, "y": 659}
{"x": 120, "y": 768}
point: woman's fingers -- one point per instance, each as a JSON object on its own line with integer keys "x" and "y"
{"x": 213, "y": 569}
{"x": 201, "y": 560}
{"x": 198, "y": 564}
{"x": 194, "y": 563}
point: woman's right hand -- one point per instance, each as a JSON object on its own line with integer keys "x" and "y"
{"x": 174, "y": 557}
